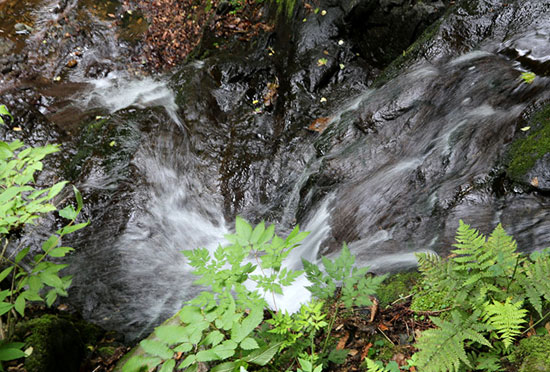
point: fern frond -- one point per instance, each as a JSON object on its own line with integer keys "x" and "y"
{"x": 538, "y": 273}
{"x": 442, "y": 349}
{"x": 503, "y": 247}
{"x": 373, "y": 367}
{"x": 507, "y": 319}
{"x": 468, "y": 243}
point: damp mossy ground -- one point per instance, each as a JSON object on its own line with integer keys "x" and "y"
{"x": 532, "y": 354}
{"x": 397, "y": 286}
{"x": 525, "y": 151}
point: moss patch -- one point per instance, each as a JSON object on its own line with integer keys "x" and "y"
{"x": 427, "y": 299}
{"x": 525, "y": 151}
{"x": 57, "y": 345}
{"x": 533, "y": 354}
{"x": 397, "y": 286}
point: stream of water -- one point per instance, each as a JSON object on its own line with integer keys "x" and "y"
{"x": 396, "y": 169}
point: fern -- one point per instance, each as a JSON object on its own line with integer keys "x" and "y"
{"x": 535, "y": 281}
{"x": 506, "y": 318}
{"x": 372, "y": 366}
{"x": 443, "y": 349}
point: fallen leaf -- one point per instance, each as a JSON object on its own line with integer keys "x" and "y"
{"x": 525, "y": 129}
{"x": 353, "y": 352}
{"x": 319, "y": 125}
{"x": 365, "y": 351}
{"x": 547, "y": 326}
{"x": 535, "y": 181}
{"x": 373, "y": 309}
{"x": 342, "y": 342}
{"x": 382, "y": 327}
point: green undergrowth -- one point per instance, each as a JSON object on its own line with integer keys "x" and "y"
{"x": 525, "y": 151}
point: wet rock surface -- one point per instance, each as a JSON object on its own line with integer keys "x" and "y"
{"x": 290, "y": 128}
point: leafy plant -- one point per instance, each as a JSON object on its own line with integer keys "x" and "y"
{"x": 4, "y": 112}
{"x": 219, "y": 325}
{"x": 487, "y": 282}
{"x": 528, "y": 77}
{"x": 21, "y": 203}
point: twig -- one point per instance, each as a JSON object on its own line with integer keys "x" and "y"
{"x": 401, "y": 299}
{"x": 387, "y": 338}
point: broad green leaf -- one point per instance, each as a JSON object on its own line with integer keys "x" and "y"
{"x": 140, "y": 363}
{"x": 243, "y": 228}
{"x": 184, "y": 348}
{"x": 257, "y": 233}
{"x": 6, "y": 272}
{"x": 262, "y": 356}
{"x": 56, "y": 189}
{"x": 168, "y": 366}
{"x": 51, "y": 279}
{"x": 249, "y": 344}
{"x": 156, "y": 348}
{"x": 171, "y": 334}
{"x": 224, "y": 367}
{"x": 188, "y": 361}
{"x": 50, "y": 243}
{"x": 207, "y": 356}
{"x": 10, "y": 354}
{"x": 22, "y": 254}
{"x": 51, "y": 297}
{"x": 20, "y": 305}
{"x": 60, "y": 251}
{"x": 190, "y": 314}
{"x": 240, "y": 331}
{"x": 5, "y": 307}
{"x": 68, "y": 213}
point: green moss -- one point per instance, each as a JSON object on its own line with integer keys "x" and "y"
{"x": 525, "y": 151}
{"x": 397, "y": 286}
{"x": 533, "y": 354}
{"x": 56, "y": 344}
{"x": 426, "y": 299}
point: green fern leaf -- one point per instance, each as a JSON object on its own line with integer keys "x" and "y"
{"x": 507, "y": 319}
{"x": 442, "y": 349}
{"x": 373, "y": 367}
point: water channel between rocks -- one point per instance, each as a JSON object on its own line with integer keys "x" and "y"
{"x": 392, "y": 174}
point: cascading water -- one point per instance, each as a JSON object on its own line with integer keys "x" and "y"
{"x": 166, "y": 164}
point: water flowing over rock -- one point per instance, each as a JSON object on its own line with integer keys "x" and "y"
{"x": 383, "y": 145}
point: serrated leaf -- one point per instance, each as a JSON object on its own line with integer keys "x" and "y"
{"x": 72, "y": 228}
{"x": 50, "y": 243}
{"x": 171, "y": 334}
{"x": 68, "y": 212}
{"x": 262, "y": 356}
{"x": 243, "y": 228}
{"x": 60, "y": 251}
{"x": 249, "y": 344}
{"x": 206, "y": 356}
{"x": 240, "y": 331}
{"x": 5, "y": 307}
{"x": 156, "y": 348}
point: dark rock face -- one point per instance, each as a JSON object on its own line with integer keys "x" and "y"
{"x": 382, "y": 30}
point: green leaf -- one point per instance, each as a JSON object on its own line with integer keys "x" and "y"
{"x": 68, "y": 213}
{"x": 78, "y": 197}
{"x": 156, "y": 348}
{"x": 6, "y": 272}
{"x": 22, "y": 254}
{"x": 60, "y": 251}
{"x": 20, "y": 305}
{"x": 225, "y": 367}
{"x": 257, "y": 233}
{"x": 51, "y": 296}
{"x": 140, "y": 363}
{"x": 262, "y": 356}
{"x": 10, "y": 353}
{"x": 5, "y": 307}
{"x": 240, "y": 331}
{"x": 50, "y": 243}
{"x": 56, "y": 189}
{"x": 171, "y": 334}
{"x": 4, "y": 112}
{"x": 242, "y": 228}
{"x": 72, "y": 228}
{"x": 249, "y": 344}
{"x": 190, "y": 314}
{"x": 168, "y": 366}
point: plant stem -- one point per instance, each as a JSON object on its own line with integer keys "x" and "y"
{"x": 513, "y": 275}
{"x": 332, "y": 320}
{"x": 537, "y": 322}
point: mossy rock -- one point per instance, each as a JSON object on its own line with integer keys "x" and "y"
{"x": 533, "y": 354}
{"x": 397, "y": 286}
{"x": 533, "y": 147}
{"x": 56, "y": 343}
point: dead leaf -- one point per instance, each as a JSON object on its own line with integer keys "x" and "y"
{"x": 319, "y": 125}
{"x": 365, "y": 351}
{"x": 382, "y": 327}
{"x": 353, "y": 352}
{"x": 535, "y": 181}
{"x": 547, "y": 326}
{"x": 373, "y": 309}
{"x": 342, "y": 342}
{"x": 400, "y": 358}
